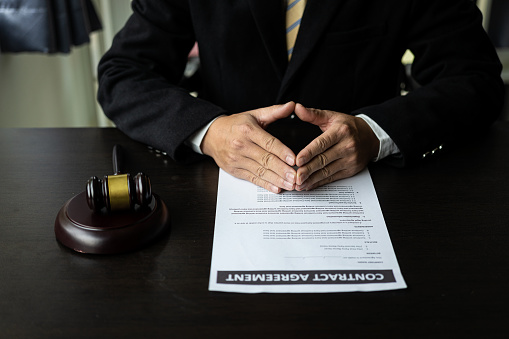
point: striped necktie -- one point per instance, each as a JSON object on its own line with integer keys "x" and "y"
{"x": 294, "y": 11}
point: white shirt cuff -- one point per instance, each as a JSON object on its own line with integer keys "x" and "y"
{"x": 195, "y": 140}
{"x": 387, "y": 146}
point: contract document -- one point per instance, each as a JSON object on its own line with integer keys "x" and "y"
{"x": 330, "y": 239}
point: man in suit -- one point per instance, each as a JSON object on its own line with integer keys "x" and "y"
{"x": 343, "y": 75}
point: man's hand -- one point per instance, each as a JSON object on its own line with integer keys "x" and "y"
{"x": 345, "y": 147}
{"x": 240, "y": 145}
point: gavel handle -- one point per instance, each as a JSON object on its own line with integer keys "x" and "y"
{"x": 118, "y": 159}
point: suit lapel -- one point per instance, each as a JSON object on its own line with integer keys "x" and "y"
{"x": 269, "y": 18}
{"x": 315, "y": 20}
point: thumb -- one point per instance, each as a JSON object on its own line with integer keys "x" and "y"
{"x": 314, "y": 116}
{"x": 268, "y": 115}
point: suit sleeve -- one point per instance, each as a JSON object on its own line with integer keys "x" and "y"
{"x": 457, "y": 66}
{"x": 139, "y": 77}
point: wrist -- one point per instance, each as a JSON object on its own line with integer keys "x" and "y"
{"x": 372, "y": 142}
{"x": 195, "y": 141}
{"x": 386, "y": 144}
{"x": 210, "y": 136}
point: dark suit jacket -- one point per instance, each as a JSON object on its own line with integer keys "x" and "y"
{"x": 347, "y": 59}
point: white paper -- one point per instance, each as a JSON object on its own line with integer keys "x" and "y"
{"x": 331, "y": 239}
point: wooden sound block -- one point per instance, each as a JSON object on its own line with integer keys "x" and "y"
{"x": 86, "y": 231}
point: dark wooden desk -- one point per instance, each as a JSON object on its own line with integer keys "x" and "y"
{"x": 448, "y": 220}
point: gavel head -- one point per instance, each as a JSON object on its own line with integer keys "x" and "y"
{"x": 118, "y": 192}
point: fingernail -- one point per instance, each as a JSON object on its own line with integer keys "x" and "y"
{"x": 288, "y": 186}
{"x": 301, "y": 187}
{"x": 301, "y": 161}
{"x": 290, "y": 160}
{"x": 300, "y": 179}
{"x": 290, "y": 177}
{"x": 274, "y": 189}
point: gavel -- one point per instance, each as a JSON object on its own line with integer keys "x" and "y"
{"x": 119, "y": 191}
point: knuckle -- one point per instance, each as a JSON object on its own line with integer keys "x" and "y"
{"x": 237, "y": 144}
{"x": 326, "y": 172}
{"x": 322, "y": 142}
{"x": 260, "y": 171}
{"x": 356, "y": 161}
{"x": 352, "y": 146}
{"x": 260, "y": 182}
{"x": 269, "y": 143}
{"x": 322, "y": 158}
{"x": 345, "y": 129}
{"x": 232, "y": 157}
{"x": 245, "y": 128}
{"x": 254, "y": 179}
{"x": 267, "y": 157}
